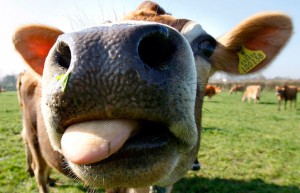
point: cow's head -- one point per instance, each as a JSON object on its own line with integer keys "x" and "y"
{"x": 122, "y": 101}
{"x": 279, "y": 91}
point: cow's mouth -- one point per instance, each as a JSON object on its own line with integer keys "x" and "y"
{"x": 94, "y": 141}
{"x": 142, "y": 155}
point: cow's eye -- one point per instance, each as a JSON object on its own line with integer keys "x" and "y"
{"x": 206, "y": 47}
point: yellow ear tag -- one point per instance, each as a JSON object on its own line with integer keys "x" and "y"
{"x": 248, "y": 59}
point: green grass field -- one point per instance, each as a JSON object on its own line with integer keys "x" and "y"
{"x": 246, "y": 148}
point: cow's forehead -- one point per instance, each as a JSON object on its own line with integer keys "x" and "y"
{"x": 188, "y": 28}
{"x": 153, "y": 12}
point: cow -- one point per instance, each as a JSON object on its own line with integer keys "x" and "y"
{"x": 28, "y": 90}
{"x": 211, "y": 90}
{"x": 252, "y": 92}
{"x": 236, "y": 88}
{"x": 119, "y": 105}
{"x": 2, "y": 89}
{"x": 286, "y": 93}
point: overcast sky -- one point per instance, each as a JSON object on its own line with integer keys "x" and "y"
{"x": 215, "y": 16}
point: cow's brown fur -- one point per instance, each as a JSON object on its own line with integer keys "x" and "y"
{"x": 212, "y": 90}
{"x": 286, "y": 93}
{"x": 28, "y": 91}
{"x": 252, "y": 92}
{"x": 40, "y": 155}
{"x": 148, "y": 11}
{"x": 236, "y": 88}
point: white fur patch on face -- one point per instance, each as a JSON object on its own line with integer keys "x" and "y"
{"x": 192, "y": 30}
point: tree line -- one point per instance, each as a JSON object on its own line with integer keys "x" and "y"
{"x": 266, "y": 84}
{"x": 8, "y": 82}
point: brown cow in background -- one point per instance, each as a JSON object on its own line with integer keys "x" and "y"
{"x": 2, "y": 89}
{"x": 29, "y": 89}
{"x": 212, "y": 90}
{"x": 286, "y": 92}
{"x": 236, "y": 88}
{"x": 252, "y": 92}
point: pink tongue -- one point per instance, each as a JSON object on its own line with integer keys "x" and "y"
{"x": 93, "y": 141}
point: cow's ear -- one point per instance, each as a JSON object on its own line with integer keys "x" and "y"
{"x": 33, "y": 43}
{"x": 251, "y": 45}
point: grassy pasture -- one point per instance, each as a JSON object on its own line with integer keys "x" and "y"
{"x": 246, "y": 148}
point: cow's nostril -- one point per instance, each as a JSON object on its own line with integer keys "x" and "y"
{"x": 63, "y": 55}
{"x": 156, "y": 49}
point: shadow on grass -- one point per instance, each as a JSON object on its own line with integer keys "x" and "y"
{"x": 211, "y": 129}
{"x": 211, "y": 101}
{"x": 268, "y": 103}
{"x": 215, "y": 130}
{"x": 203, "y": 185}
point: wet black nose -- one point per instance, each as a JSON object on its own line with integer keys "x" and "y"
{"x": 63, "y": 55}
{"x": 156, "y": 48}
{"x": 150, "y": 52}
{"x": 152, "y": 44}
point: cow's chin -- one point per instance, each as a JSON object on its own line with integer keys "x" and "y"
{"x": 147, "y": 157}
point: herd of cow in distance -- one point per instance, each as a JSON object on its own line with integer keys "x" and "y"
{"x": 119, "y": 106}
{"x": 253, "y": 92}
